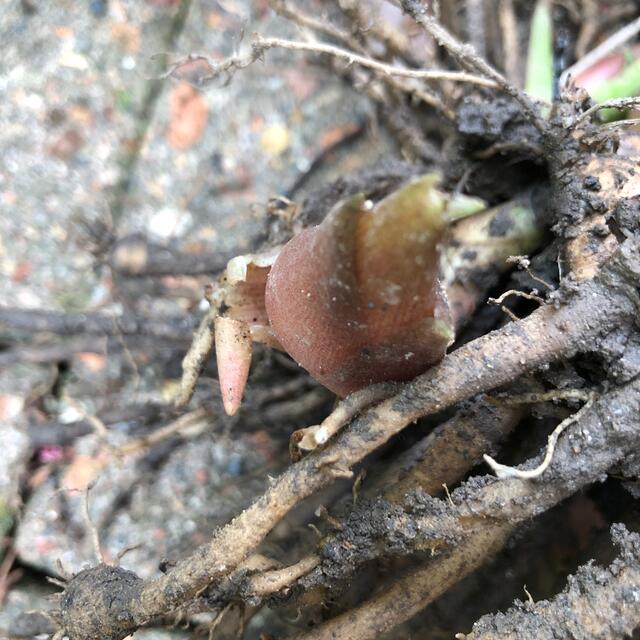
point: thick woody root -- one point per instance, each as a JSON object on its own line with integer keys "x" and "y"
{"x": 595, "y": 308}
{"x": 486, "y": 511}
{"x": 437, "y": 461}
{"x": 598, "y": 603}
{"x": 610, "y": 184}
{"x": 446, "y": 454}
{"x": 381, "y": 527}
{"x": 546, "y": 335}
{"x": 409, "y": 595}
{"x": 440, "y": 459}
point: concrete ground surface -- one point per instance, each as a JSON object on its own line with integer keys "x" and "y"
{"x": 93, "y": 137}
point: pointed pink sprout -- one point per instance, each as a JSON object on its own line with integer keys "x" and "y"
{"x": 233, "y": 353}
{"x": 241, "y": 292}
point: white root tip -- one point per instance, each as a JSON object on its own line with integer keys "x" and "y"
{"x": 502, "y": 471}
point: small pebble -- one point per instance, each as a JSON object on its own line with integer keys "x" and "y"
{"x": 592, "y": 183}
{"x": 98, "y": 8}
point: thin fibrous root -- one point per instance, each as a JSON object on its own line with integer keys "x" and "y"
{"x": 196, "y": 358}
{"x": 261, "y": 45}
{"x": 91, "y": 528}
{"x": 466, "y": 55}
{"x": 504, "y": 471}
{"x": 516, "y": 292}
{"x": 617, "y": 103}
{"x": 311, "y": 438}
{"x": 524, "y": 263}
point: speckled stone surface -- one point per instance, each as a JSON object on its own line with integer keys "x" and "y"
{"x": 79, "y": 84}
{"x": 73, "y": 92}
{"x": 15, "y": 454}
{"x": 169, "y": 509}
{"x": 264, "y": 128}
{"x": 90, "y": 133}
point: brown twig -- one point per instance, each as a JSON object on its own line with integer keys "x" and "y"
{"x": 398, "y": 84}
{"x": 91, "y": 527}
{"x": 510, "y": 48}
{"x": 261, "y": 45}
{"x": 98, "y": 426}
{"x": 322, "y": 26}
{"x": 116, "y": 411}
{"x": 392, "y": 40}
{"x": 421, "y": 94}
{"x": 187, "y": 421}
{"x": 590, "y": 12}
{"x": 54, "y": 352}
{"x": 629, "y": 122}
{"x": 94, "y": 323}
{"x": 8, "y": 577}
{"x": 475, "y": 23}
{"x": 138, "y": 257}
{"x": 522, "y": 147}
{"x": 402, "y": 124}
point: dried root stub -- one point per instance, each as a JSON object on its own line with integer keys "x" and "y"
{"x": 97, "y": 604}
{"x": 355, "y": 300}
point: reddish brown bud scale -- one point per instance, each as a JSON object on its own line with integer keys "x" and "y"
{"x": 357, "y": 300}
